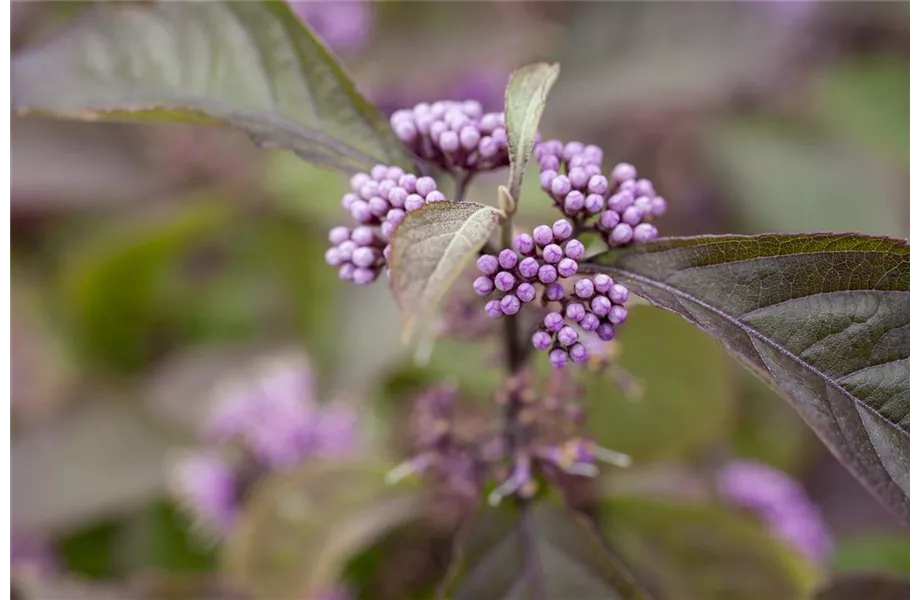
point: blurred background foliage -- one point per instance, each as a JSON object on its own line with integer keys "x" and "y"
{"x": 149, "y": 262}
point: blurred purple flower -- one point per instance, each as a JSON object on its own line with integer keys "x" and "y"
{"x": 31, "y": 554}
{"x": 345, "y": 25}
{"x": 206, "y": 486}
{"x": 780, "y": 502}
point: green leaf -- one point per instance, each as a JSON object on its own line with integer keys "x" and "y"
{"x": 888, "y": 554}
{"x": 538, "y": 552}
{"x": 686, "y": 402}
{"x": 430, "y": 249}
{"x": 115, "y": 450}
{"x": 252, "y": 66}
{"x": 863, "y": 586}
{"x": 525, "y": 99}
{"x": 824, "y": 317}
{"x": 781, "y": 177}
{"x": 300, "y": 528}
{"x": 697, "y": 552}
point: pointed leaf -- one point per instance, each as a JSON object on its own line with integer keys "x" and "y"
{"x": 538, "y": 552}
{"x": 300, "y": 528}
{"x": 862, "y": 586}
{"x": 824, "y": 317}
{"x": 252, "y": 65}
{"x": 430, "y": 248}
{"x": 525, "y": 99}
{"x": 696, "y": 552}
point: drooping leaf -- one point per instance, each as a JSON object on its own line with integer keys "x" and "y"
{"x": 430, "y": 249}
{"x": 116, "y": 452}
{"x": 300, "y": 528}
{"x": 862, "y": 586}
{"x": 683, "y": 402}
{"x": 252, "y": 66}
{"x": 824, "y": 317}
{"x": 782, "y": 177}
{"x": 540, "y": 552}
{"x": 697, "y": 552}
{"x": 525, "y": 99}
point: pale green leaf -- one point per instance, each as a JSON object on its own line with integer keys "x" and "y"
{"x": 525, "y": 99}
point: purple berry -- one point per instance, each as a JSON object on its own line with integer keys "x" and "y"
{"x": 541, "y": 340}
{"x": 436, "y": 129}
{"x": 590, "y": 322}
{"x": 594, "y": 154}
{"x": 386, "y": 229}
{"x": 567, "y": 268}
{"x": 483, "y": 285}
{"x": 394, "y": 173}
{"x": 659, "y": 206}
{"x": 361, "y": 212}
{"x": 397, "y": 197}
{"x": 622, "y": 172}
{"x": 407, "y": 182}
{"x": 510, "y": 305}
{"x": 449, "y": 142}
{"x": 644, "y": 205}
{"x": 578, "y": 178}
{"x": 554, "y": 292}
{"x": 337, "y": 235}
{"x": 584, "y": 288}
{"x": 553, "y": 322}
{"x": 609, "y": 219}
{"x": 500, "y": 136}
{"x": 363, "y": 236}
{"x": 574, "y": 202}
{"x": 526, "y": 292}
{"x": 600, "y": 306}
{"x": 494, "y": 309}
{"x": 414, "y": 202}
{"x": 492, "y": 121}
{"x": 472, "y": 109}
{"x": 550, "y": 163}
{"x": 543, "y": 235}
{"x": 552, "y": 253}
{"x": 621, "y": 234}
{"x": 618, "y": 294}
{"x": 567, "y": 336}
{"x": 645, "y": 232}
{"x": 644, "y": 187}
{"x": 553, "y": 147}
{"x": 605, "y": 331}
{"x": 346, "y": 249}
{"x": 594, "y": 203}
{"x": 396, "y": 216}
{"x": 560, "y": 186}
{"x": 597, "y": 185}
{"x": 578, "y": 353}
{"x": 523, "y": 243}
{"x": 487, "y": 264}
{"x": 364, "y": 257}
{"x": 347, "y": 272}
{"x": 572, "y": 149}
{"x": 558, "y": 358}
{"x": 378, "y": 206}
{"x": 425, "y": 185}
{"x": 529, "y": 268}
{"x": 469, "y": 137}
{"x": 617, "y": 314}
{"x": 575, "y": 311}
{"x": 631, "y": 216}
{"x": 405, "y": 131}
{"x": 333, "y": 257}
{"x": 487, "y": 147}
{"x": 368, "y": 190}
{"x": 620, "y": 201}
{"x": 435, "y": 196}
{"x": 386, "y": 253}
{"x": 358, "y": 180}
{"x": 364, "y": 276}
{"x": 383, "y": 189}
{"x": 575, "y": 250}
{"x": 602, "y": 283}
{"x": 547, "y": 274}
{"x": 546, "y": 180}
{"x": 507, "y": 259}
{"x": 348, "y": 200}
{"x": 504, "y": 281}
{"x": 379, "y": 172}
{"x": 629, "y": 186}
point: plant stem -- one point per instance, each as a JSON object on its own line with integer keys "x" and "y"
{"x": 461, "y": 181}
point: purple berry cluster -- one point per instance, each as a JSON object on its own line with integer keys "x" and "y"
{"x": 549, "y": 255}
{"x": 378, "y": 202}
{"x": 456, "y": 136}
{"x": 780, "y": 502}
{"x": 622, "y": 204}
{"x": 596, "y": 305}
